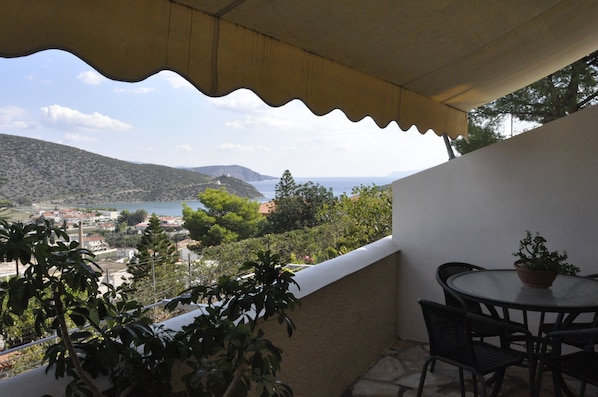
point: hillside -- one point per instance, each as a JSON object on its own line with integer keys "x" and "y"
{"x": 38, "y": 171}
{"x": 235, "y": 171}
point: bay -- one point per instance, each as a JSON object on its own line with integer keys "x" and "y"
{"x": 161, "y": 208}
{"x": 338, "y": 185}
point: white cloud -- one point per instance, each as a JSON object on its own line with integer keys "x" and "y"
{"x": 263, "y": 121}
{"x": 34, "y": 77}
{"x": 232, "y": 147}
{"x": 91, "y": 78}
{"x": 185, "y": 148}
{"x": 14, "y": 117}
{"x": 259, "y": 115}
{"x": 79, "y": 138}
{"x": 145, "y": 148}
{"x": 136, "y": 90}
{"x": 342, "y": 147}
{"x": 175, "y": 80}
{"x": 240, "y": 101}
{"x": 22, "y": 125}
{"x": 61, "y": 117}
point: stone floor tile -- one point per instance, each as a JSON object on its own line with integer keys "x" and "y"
{"x": 388, "y": 369}
{"x": 397, "y": 372}
{"x": 369, "y": 388}
{"x": 432, "y": 380}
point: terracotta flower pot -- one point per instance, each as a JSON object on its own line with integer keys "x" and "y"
{"x": 535, "y": 278}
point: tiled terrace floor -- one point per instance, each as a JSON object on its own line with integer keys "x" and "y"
{"x": 397, "y": 374}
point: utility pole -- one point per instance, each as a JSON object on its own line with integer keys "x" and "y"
{"x": 189, "y": 262}
{"x": 153, "y": 276}
{"x": 81, "y": 234}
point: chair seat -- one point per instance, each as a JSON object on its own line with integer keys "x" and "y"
{"x": 451, "y": 340}
{"x": 483, "y": 330}
{"x": 582, "y": 364}
{"x": 490, "y": 357}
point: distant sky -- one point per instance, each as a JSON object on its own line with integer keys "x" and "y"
{"x": 54, "y": 96}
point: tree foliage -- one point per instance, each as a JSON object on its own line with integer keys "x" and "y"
{"x": 297, "y": 206}
{"x": 357, "y": 220}
{"x": 122, "y": 239}
{"x": 226, "y": 352}
{"x": 6, "y": 203}
{"x": 367, "y": 214}
{"x": 236, "y": 354}
{"x": 286, "y": 187}
{"x": 227, "y": 217}
{"x": 62, "y": 284}
{"x": 318, "y": 243}
{"x": 154, "y": 267}
{"x": 132, "y": 218}
{"x": 478, "y": 136}
{"x": 559, "y": 94}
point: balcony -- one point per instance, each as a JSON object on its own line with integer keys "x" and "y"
{"x": 346, "y": 343}
{"x": 473, "y": 209}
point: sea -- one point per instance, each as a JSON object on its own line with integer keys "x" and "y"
{"x": 338, "y": 185}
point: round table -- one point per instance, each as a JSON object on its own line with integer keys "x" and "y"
{"x": 503, "y": 288}
{"x": 568, "y": 297}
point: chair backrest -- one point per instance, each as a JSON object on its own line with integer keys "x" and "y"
{"x": 449, "y": 332}
{"x": 595, "y": 321}
{"x": 443, "y": 272}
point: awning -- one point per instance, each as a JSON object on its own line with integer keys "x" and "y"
{"x": 416, "y": 62}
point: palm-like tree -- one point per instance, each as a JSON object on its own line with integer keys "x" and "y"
{"x": 16, "y": 241}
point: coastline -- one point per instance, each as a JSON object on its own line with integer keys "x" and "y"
{"x": 339, "y": 185}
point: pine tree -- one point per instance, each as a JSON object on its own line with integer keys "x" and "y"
{"x": 297, "y": 206}
{"x": 286, "y": 187}
{"x": 478, "y": 137}
{"x": 559, "y": 94}
{"x": 226, "y": 218}
{"x": 154, "y": 270}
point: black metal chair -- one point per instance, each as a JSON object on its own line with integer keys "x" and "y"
{"x": 579, "y": 340}
{"x": 443, "y": 272}
{"x": 451, "y": 341}
{"x": 581, "y": 364}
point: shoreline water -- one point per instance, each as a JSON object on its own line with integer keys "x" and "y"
{"x": 338, "y": 185}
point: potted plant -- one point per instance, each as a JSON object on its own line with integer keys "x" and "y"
{"x": 536, "y": 266}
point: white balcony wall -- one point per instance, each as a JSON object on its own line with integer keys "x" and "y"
{"x": 476, "y": 208}
{"x": 345, "y": 321}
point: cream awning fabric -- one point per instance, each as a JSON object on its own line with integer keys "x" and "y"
{"x": 416, "y": 62}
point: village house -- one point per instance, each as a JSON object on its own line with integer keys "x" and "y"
{"x": 95, "y": 243}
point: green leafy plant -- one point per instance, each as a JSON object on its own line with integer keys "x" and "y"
{"x": 534, "y": 255}
{"x": 229, "y": 350}
{"x": 109, "y": 334}
{"x": 60, "y": 284}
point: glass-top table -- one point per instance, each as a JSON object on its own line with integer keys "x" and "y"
{"x": 504, "y": 289}
{"x": 568, "y": 297}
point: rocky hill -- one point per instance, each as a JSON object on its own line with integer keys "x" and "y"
{"x": 37, "y": 171}
{"x": 235, "y": 171}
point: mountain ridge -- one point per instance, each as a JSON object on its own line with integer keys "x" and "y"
{"x": 37, "y": 171}
{"x": 235, "y": 171}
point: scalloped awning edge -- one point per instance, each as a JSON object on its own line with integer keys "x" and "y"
{"x": 217, "y": 57}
